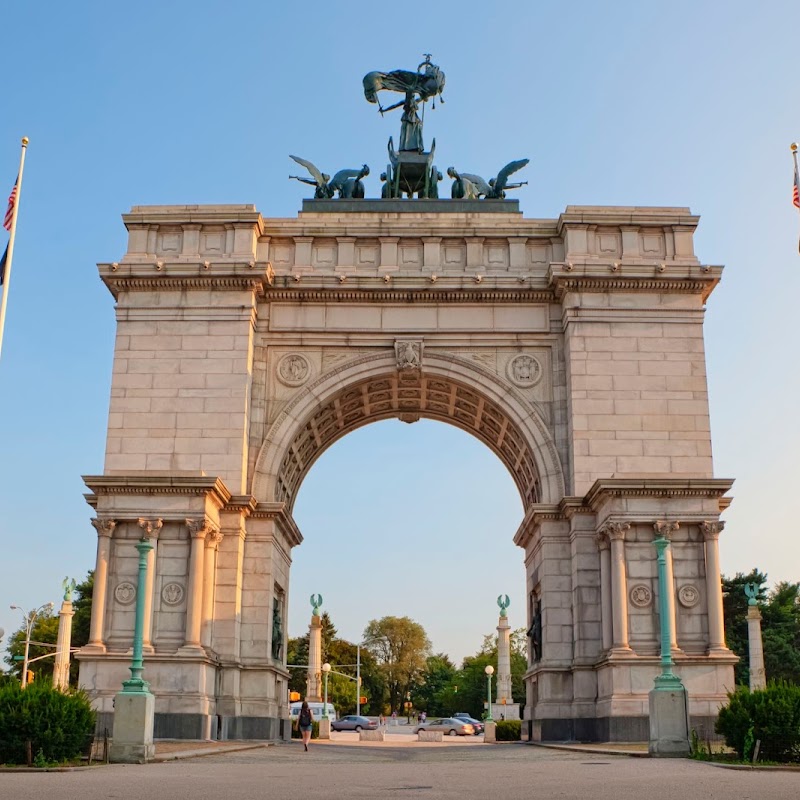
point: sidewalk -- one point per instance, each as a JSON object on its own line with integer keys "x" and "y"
{"x": 174, "y": 749}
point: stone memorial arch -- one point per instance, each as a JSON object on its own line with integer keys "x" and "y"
{"x": 245, "y": 346}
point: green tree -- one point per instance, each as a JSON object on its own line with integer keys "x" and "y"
{"x": 435, "y": 690}
{"x": 780, "y": 612}
{"x": 400, "y": 647}
{"x": 45, "y": 629}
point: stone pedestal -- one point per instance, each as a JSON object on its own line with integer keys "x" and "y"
{"x": 132, "y": 741}
{"x": 669, "y": 723}
{"x": 758, "y": 675}
{"x": 501, "y": 711}
{"x": 503, "y": 660}
{"x": 61, "y": 666}
{"x": 490, "y": 732}
{"x": 314, "y": 679}
{"x": 324, "y": 728}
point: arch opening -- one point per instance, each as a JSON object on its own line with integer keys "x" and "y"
{"x": 408, "y": 397}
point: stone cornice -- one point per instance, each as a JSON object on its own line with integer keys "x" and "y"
{"x": 187, "y": 214}
{"x": 664, "y": 277}
{"x": 410, "y": 296}
{"x": 283, "y": 518}
{"x": 628, "y": 215}
{"x": 148, "y": 483}
{"x": 606, "y": 488}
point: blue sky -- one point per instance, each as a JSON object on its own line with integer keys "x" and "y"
{"x": 620, "y": 103}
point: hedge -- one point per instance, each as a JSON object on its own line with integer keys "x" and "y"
{"x": 58, "y": 725}
{"x": 508, "y": 730}
{"x": 771, "y": 716}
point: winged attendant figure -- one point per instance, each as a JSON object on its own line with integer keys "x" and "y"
{"x": 347, "y": 182}
{"x": 495, "y": 189}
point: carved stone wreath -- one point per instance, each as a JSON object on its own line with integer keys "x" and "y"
{"x": 172, "y": 594}
{"x": 688, "y": 595}
{"x": 641, "y": 596}
{"x": 524, "y": 370}
{"x": 293, "y": 369}
{"x": 125, "y": 593}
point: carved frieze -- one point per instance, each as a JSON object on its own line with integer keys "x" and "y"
{"x": 524, "y": 370}
{"x": 125, "y": 593}
{"x": 172, "y": 594}
{"x": 294, "y": 369}
{"x": 641, "y": 596}
{"x": 688, "y": 595}
{"x": 408, "y": 353}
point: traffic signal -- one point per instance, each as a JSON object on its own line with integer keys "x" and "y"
{"x": 29, "y": 678}
{"x": 294, "y": 697}
{"x": 362, "y": 700}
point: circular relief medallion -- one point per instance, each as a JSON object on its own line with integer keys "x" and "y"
{"x": 294, "y": 369}
{"x": 524, "y": 370}
{"x": 125, "y": 593}
{"x": 688, "y": 596}
{"x": 641, "y": 596}
{"x": 172, "y": 594}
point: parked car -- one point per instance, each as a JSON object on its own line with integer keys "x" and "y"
{"x": 354, "y": 723}
{"x": 448, "y": 725}
{"x": 476, "y": 723}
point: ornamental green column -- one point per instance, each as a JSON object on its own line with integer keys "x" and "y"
{"x": 136, "y": 684}
{"x": 668, "y": 701}
{"x": 134, "y": 706}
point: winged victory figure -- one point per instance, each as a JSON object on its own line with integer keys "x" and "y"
{"x": 347, "y": 182}
{"x": 496, "y": 188}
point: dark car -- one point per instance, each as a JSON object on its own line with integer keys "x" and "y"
{"x": 354, "y": 723}
{"x": 476, "y": 723}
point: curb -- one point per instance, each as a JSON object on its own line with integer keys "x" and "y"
{"x": 181, "y": 755}
{"x": 754, "y": 767}
{"x": 576, "y": 748}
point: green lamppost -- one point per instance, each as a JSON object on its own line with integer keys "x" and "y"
{"x": 326, "y": 668}
{"x": 668, "y": 700}
{"x": 489, "y": 672}
{"x": 667, "y": 680}
{"x": 136, "y": 684}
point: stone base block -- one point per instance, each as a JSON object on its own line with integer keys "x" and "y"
{"x": 505, "y": 711}
{"x": 490, "y": 732}
{"x": 669, "y": 723}
{"x": 324, "y": 729}
{"x": 132, "y": 741}
{"x": 372, "y": 736}
{"x": 430, "y": 736}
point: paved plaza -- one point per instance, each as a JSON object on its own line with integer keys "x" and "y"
{"x": 333, "y": 771}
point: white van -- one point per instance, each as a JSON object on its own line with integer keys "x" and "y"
{"x": 316, "y": 710}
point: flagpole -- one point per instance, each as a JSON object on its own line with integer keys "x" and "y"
{"x": 10, "y": 257}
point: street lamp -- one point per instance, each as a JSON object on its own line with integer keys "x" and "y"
{"x": 489, "y": 672}
{"x": 30, "y": 619}
{"x": 326, "y": 668}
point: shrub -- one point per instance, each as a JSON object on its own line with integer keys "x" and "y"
{"x": 314, "y": 731}
{"x": 771, "y": 715}
{"x": 508, "y": 730}
{"x": 58, "y": 725}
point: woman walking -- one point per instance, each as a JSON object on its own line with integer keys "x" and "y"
{"x": 305, "y": 720}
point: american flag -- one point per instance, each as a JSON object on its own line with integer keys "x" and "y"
{"x": 796, "y": 188}
{"x": 12, "y": 201}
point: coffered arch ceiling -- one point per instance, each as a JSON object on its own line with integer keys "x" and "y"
{"x": 492, "y": 416}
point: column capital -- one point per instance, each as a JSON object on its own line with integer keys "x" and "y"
{"x": 213, "y": 536}
{"x": 615, "y": 530}
{"x": 602, "y": 540}
{"x": 664, "y": 528}
{"x": 200, "y": 527}
{"x": 104, "y": 526}
{"x": 151, "y": 527}
{"x": 711, "y": 529}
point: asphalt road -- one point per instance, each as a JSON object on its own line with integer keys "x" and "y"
{"x": 334, "y": 771}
